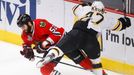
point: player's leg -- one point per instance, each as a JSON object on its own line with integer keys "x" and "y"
{"x": 48, "y": 69}
{"x": 92, "y": 66}
{"x": 92, "y": 49}
{"x": 70, "y": 45}
{"x": 78, "y": 58}
{"x": 55, "y": 72}
{"x": 69, "y": 42}
{"x": 66, "y": 45}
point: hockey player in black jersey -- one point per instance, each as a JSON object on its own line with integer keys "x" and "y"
{"x": 90, "y": 22}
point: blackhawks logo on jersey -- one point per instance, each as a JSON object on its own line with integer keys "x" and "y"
{"x": 29, "y": 38}
{"x": 42, "y": 24}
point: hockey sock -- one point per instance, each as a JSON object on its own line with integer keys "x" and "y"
{"x": 48, "y": 68}
{"x": 97, "y": 66}
{"x": 86, "y": 63}
{"x": 97, "y": 71}
{"x": 104, "y": 73}
{"x": 55, "y": 72}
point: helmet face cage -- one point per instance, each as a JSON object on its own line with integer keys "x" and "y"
{"x": 98, "y": 7}
{"x": 23, "y": 19}
{"x": 98, "y": 10}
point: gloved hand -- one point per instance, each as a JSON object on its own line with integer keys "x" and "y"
{"x": 42, "y": 49}
{"x": 86, "y": 4}
{"x": 126, "y": 22}
{"x": 27, "y": 52}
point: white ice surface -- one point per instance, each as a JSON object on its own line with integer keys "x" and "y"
{"x": 12, "y": 63}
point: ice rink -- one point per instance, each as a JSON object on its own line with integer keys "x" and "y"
{"x": 12, "y": 63}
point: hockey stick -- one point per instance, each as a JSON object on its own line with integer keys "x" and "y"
{"x": 124, "y": 8}
{"x": 62, "y": 63}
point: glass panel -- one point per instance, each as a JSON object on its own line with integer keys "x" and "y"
{"x": 132, "y": 6}
{"x": 115, "y": 4}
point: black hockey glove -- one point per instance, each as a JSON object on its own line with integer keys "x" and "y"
{"x": 40, "y": 49}
{"x": 86, "y": 4}
{"x": 27, "y": 52}
{"x": 126, "y": 22}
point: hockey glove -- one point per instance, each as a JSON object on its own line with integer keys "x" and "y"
{"x": 27, "y": 52}
{"x": 41, "y": 49}
{"x": 126, "y": 22}
{"x": 86, "y": 4}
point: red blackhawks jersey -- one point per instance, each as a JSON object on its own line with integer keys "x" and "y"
{"x": 42, "y": 30}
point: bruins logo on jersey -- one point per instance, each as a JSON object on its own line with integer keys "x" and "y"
{"x": 42, "y": 24}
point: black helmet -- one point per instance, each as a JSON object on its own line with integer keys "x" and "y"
{"x": 23, "y": 19}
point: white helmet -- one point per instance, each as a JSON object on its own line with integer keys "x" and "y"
{"x": 98, "y": 7}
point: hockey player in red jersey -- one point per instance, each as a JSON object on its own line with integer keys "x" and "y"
{"x": 41, "y": 34}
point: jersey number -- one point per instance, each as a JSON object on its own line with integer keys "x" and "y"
{"x": 90, "y": 14}
{"x": 53, "y": 29}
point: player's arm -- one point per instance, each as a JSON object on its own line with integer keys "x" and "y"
{"x": 81, "y": 10}
{"x": 54, "y": 34}
{"x": 27, "y": 51}
{"x": 122, "y": 24}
